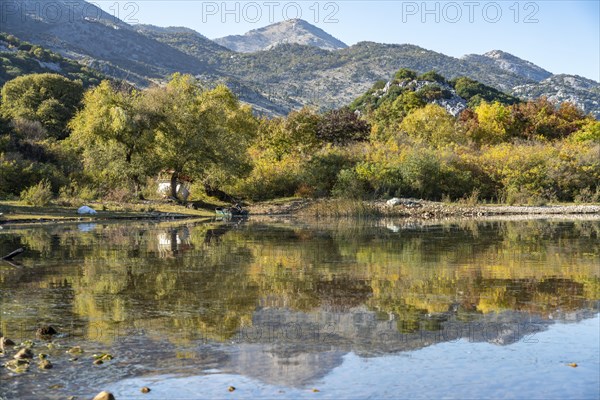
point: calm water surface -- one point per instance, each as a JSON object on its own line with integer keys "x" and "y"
{"x": 281, "y": 309}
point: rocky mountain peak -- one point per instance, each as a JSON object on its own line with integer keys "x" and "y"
{"x": 295, "y": 31}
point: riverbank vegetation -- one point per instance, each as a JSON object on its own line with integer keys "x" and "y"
{"x": 414, "y": 136}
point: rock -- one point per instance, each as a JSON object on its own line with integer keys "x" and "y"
{"x": 19, "y": 366}
{"x": 104, "y": 396}
{"x": 86, "y": 210}
{"x": 231, "y": 388}
{"x": 4, "y": 343}
{"x": 24, "y": 353}
{"x": 75, "y": 350}
{"x": 393, "y": 202}
{"x": 98, "y": 362}
{"x": 145, "y": 389}
{"x": 410, "y": 203}
{"x": 46, "y": 331}
{"x": 45, "y": 364}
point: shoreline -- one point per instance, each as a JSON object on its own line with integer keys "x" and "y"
{"x": 411, "y": 208}
{"x": 305, "y": 208}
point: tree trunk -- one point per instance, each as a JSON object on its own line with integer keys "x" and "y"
{"x": 174, "y": 179}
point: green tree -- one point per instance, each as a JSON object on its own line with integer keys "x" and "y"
{"x": 432, "y": 76}
{"x": 405, "y": 74}
{"x": 115, "y": 131}
{"x": 296, "y": 134}
{"x": 201, "y": 131}
{"x": 50, "y": 99}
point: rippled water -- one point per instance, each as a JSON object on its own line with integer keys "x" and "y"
{"x": 334, "y": 309}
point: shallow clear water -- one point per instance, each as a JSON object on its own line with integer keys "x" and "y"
{"x": 380, "y": 309}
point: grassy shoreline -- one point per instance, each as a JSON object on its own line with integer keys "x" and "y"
{"x": 14, "y": 212}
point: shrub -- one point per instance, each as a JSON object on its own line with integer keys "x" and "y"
{"x": 321, "y": 172}
{"x": 38, "y": 195}
{"x": 350, "y": 185}
{"x": 271, "y": 179}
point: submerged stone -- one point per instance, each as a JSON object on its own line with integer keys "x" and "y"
{"x": 24, "y": 353}
{"x": 46, "y": 331}
{"x": 18, "y": 365}
{"x": 75, "y": 350}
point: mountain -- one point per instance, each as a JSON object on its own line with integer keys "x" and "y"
{"x": 184, "y": 39}
{"x": 19, "y": 58}
{"x": 584, "y": 93}
{"x": 299, "y": 65}
{"x": 290, "y": 31}
{"x": 510, "y": 63}
{"x": 101, "y": 41}
{"x": 326, "y": 79}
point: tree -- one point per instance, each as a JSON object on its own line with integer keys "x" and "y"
{"x": 405, "y": 74}
{"x": 431, "y": 124}
{"x": 541, "y": 119}
{"x": 201, "y": 131}
{"x": 50, "y": 99}
{"x": 475, "y": 92}
{"x": 342, "y": 126}
{"x": 494, "y": 122}
{"x": 296, "y": 134}
{"x": 432, "y": 76}
{"x": 115, "y": 131}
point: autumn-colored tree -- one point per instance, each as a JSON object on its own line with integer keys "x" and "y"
{"x": 541, "y": 119}
{"x": 430, "y": 124}
{"x": 494, "y": 122}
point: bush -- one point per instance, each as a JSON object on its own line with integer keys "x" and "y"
{"x": 350, "y": 185}
{"x": 38, "y": 195}
{"x": 321, "y": 172}
{"x": 271, "y": 179}
{"x": 587, "y": 195}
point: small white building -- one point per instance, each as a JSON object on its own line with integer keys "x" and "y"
{"x": 164, "y": 185}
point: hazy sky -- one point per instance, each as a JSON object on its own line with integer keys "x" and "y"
{"x": 560, "y": 36}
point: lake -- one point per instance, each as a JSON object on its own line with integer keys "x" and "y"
{"x": 496, "y": 308}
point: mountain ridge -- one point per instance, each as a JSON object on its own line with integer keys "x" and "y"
{"x": 285, "y": 76}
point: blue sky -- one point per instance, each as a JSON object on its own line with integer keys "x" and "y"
{"x": 560, "y": 36}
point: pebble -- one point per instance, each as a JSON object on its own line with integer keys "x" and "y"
{"x": 18, "y": 365}
{"x": 75, "y": 350}
{"x": 145, "y": 389}
{"x": 24, "y": 353}
{"x": 45, "y": 364}
{"x": 231, "y": 388}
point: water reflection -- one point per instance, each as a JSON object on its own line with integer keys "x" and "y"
{"x": 284, "y": 302}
